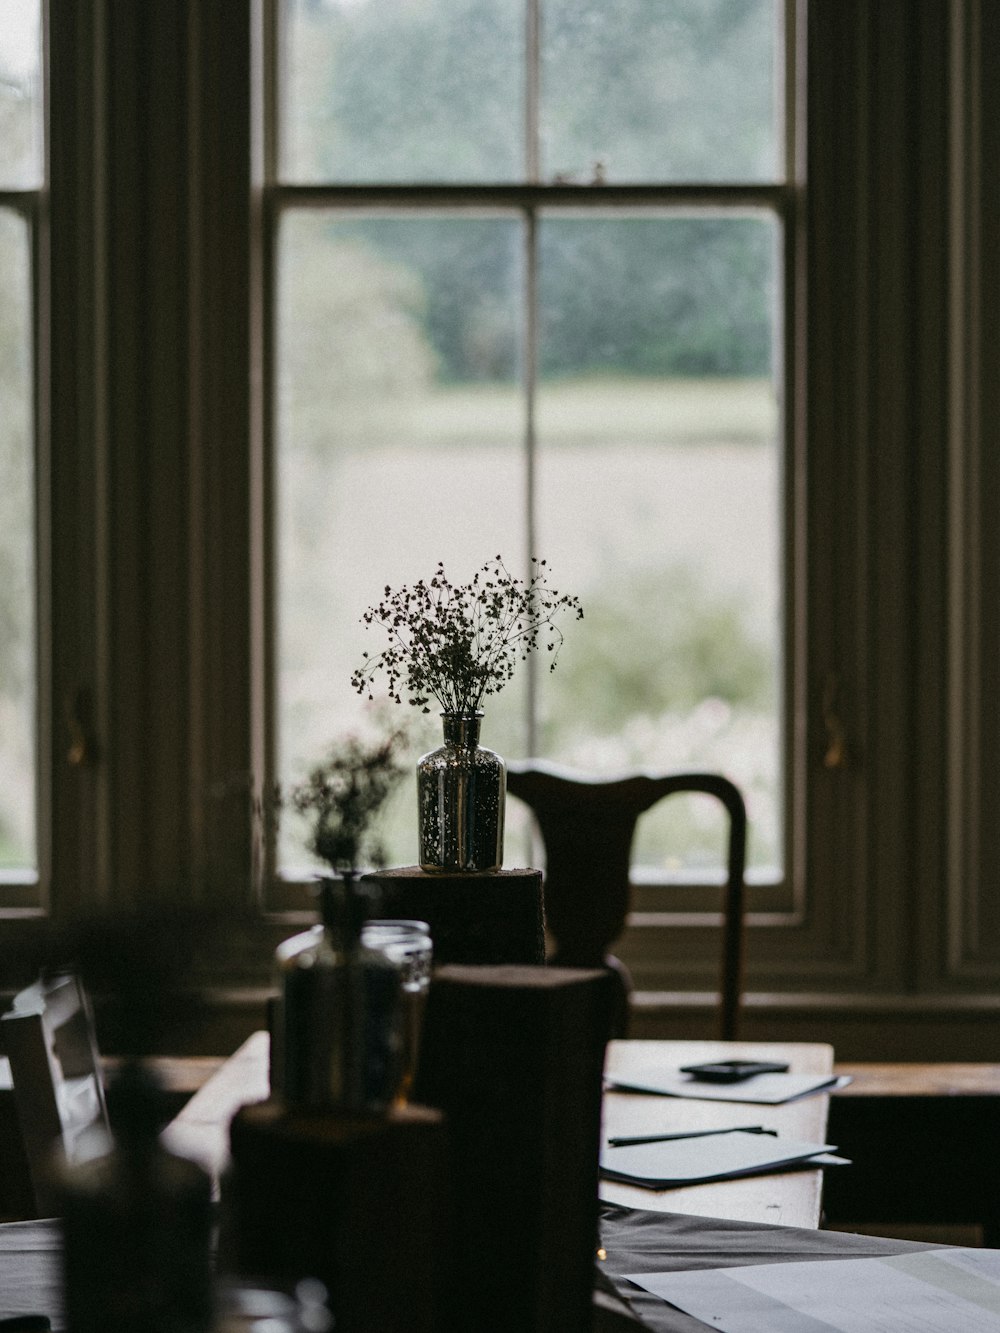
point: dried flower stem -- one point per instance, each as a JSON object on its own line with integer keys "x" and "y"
{"x": 343, "y": 795}
{"x": 458, "y": 643}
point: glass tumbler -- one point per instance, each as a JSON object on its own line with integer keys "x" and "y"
{"x": 408, "y": 945}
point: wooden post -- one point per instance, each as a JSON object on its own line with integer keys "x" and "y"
{"x": 492, "y": 917}
{"x": 514, "y": 1057}
{"x": 356, "y": 1201}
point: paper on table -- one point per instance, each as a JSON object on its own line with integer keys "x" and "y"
{"x": 768, "y": 1089}
{"x": 695, "y": 1161}
{"x": 933, "y": 1291}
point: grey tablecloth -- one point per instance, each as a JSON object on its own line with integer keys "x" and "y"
{"x": 30, "y": 1270}
{"x": 646, "y": 1242}
{"x": 635, "y": 1241}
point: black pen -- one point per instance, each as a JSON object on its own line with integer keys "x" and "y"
{"x": 689, "y": 1134}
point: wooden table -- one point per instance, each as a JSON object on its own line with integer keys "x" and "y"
{"x": 786, "y": 1199}
{"x": 789, "y": 1199}
{"x": 201, "y": 1130}
{"x": 29, "y": 1270}
{"x": 923, "y": 1141}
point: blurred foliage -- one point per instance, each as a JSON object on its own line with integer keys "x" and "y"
{"x": 689, "y": 643}
{"x": 345, "y": 300}
{"x": 684, "y": 86}
{"x": 150, "y": 971}
{"x": 651, "y": 296}
{"x": 625, "y": 295}
{"x": 433, "y": 89}
{"x": 400, "y": 91}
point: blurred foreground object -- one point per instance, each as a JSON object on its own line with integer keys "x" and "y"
{"x": 355, "y": 1200}
{"x": 48, "y": 1036}
{"x": 136, "y": 1227}
{"x": 136, "y": 1221}
{"x": 407, "y": 945}
{"x": 339, "y": 1013}
{"x": 514, "y": 1057}
{"x": 330, "y": 1179}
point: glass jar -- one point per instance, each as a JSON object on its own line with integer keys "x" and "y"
{"x": 338, "y": 1020}
{"x": 407, "y": 945}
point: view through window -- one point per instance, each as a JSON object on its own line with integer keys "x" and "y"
{"x": 20, "y": 180}
{"x": 529, "y": 290}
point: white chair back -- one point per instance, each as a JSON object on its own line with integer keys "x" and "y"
{"x": 48, "y": 1036}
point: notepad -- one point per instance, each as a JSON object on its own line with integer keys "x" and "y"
{"x": 766, "y": 1089}
{"x": 696, "y": 1161}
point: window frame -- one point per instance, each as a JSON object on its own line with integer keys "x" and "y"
{"x": 25, "y": 892}
{"x": 773, "y": 896}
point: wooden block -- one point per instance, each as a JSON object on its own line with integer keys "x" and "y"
{"x": 495, "y": 917}
{"x": 355, "y": 1201}
{"x": 514, "y": 1057}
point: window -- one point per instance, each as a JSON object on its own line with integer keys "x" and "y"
{"x": 161, "y": 327}
{"x": 531, "y": 273}
{"x": 21, "y": 182}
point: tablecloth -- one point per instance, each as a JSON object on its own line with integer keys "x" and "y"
{"x": 634, "y": 1241}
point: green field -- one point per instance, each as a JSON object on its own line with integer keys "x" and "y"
{"x": 592, "y": 411}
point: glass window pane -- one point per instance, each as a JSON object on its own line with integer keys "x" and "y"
{"x": 20, "y": 94}
{"x": 400, "y": 428}
{"x": 17, "y": 570}
{"x": 403, "y": 90}
{"x": 669, "y": 90}
{"x": 658, "y": 504}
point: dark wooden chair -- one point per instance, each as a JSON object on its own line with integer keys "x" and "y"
{"x": 587, "y": 827}
{"x": 48, "y": 1037}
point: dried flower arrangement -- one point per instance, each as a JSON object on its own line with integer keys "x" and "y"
{"x": 458, "y": 643}
{"x": 343, "y": 795}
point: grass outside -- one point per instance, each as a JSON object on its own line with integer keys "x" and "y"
{"x": 591, "y": 411}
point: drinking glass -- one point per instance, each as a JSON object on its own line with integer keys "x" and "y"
{"x": 408, "y": 945}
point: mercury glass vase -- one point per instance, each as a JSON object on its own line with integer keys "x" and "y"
{"x": 461, "y": 791}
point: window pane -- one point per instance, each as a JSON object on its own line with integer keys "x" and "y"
{"x": 669, "y": 90}
{"x": 20, "y": 94}
{"x": 403, "y": 90}
{"x": 658, "y": 504}
{"x": 17, "y": 581}
{"x": 400, "y": 422}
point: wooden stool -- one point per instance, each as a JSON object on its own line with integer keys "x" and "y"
{"x": 493, "y": 917}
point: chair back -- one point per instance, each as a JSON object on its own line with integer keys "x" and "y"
{"x": 48, "y": 1037}
{"x": 587, "y": 827}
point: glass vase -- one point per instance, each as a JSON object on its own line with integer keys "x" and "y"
{"x": 339, "y": 1017}
{"x": 461, "y": 791}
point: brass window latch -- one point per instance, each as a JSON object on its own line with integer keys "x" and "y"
{"x": 835, "y": 755}
{"x": 80, "y": 750}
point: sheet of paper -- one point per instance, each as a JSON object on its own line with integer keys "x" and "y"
{"x": 929, "y": 1291}
{"x": 711, "y": 1157}
{"x": 767, "y": 1089}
